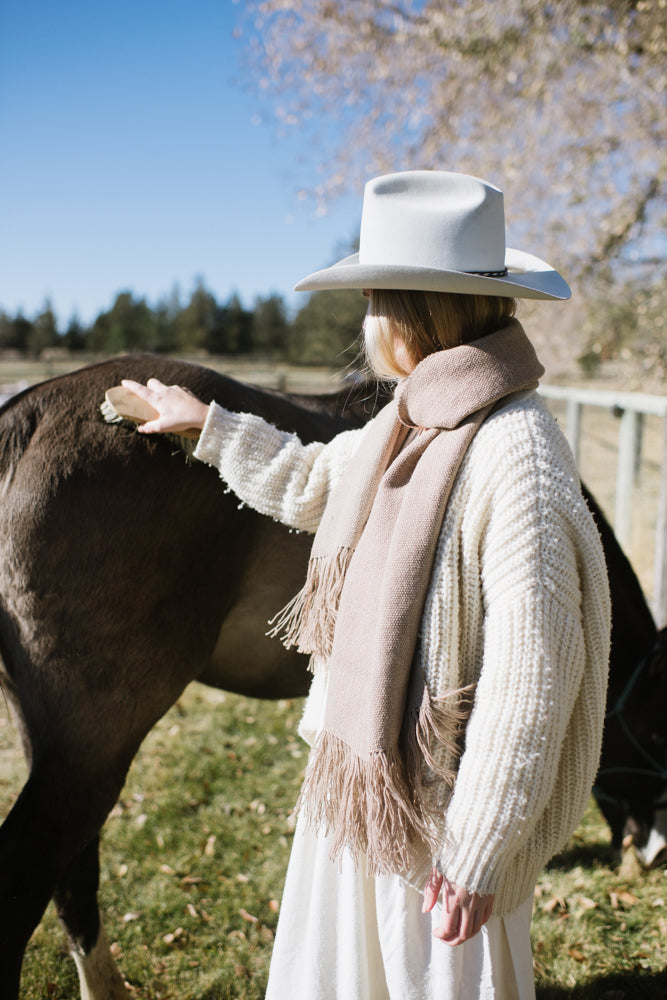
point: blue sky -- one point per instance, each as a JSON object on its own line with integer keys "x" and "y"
{"x": 130, "y": 159}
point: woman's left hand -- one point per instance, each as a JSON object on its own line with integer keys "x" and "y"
{"x": 464, "y": 913}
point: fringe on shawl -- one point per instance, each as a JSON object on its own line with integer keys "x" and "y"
{"x": 390, "y": 806}
{"x": 309, "y": 619}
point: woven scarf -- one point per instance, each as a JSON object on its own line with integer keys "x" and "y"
{"x": 375, "y": 775}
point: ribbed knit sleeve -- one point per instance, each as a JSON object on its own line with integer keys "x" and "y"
{"x": 519, "y": 607}
{"x": 514, "y": 738}
{"x": 271, "y": 470}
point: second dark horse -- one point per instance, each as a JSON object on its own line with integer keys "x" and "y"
{"x": 124, "y": 575}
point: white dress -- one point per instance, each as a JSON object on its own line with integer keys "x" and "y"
{"x": 346, "y": 935}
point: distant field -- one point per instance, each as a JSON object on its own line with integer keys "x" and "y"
{"x": 295, "y": 379}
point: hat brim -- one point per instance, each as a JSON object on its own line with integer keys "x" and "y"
{"x": 527, "y": 277}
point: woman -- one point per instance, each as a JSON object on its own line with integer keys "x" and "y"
{"x": 456, "y": 611}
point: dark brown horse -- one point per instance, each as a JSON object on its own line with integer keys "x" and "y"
{"x": 126, "y": 573}
{"x": 631, "y": 786}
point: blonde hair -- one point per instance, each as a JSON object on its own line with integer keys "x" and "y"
{"x": 426, "y": 322}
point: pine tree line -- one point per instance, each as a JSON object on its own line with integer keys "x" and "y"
{"x": 324, "y": 330}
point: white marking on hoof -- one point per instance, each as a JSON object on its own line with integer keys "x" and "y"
{"x": 657, "y": 840}
{"x": 99, "y": 977}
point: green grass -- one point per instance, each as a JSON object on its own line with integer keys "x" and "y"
{"x": 599, "y": 930}
{"x": 194, "y": 855}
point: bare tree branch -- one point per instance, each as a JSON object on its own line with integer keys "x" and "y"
{"x": 561, "y": 104}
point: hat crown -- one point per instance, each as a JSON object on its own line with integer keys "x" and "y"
{"x": 433, "y": 219}
{"x": 438, "y": 231}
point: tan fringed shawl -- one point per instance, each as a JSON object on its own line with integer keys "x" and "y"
{"x": 362, "y": 603}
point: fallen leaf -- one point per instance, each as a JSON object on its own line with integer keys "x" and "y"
{"x": 630, "y": 868}
{"x": 554, "y": 903}
{"x": 174, "y": 936}
{"x": 622, "y": 898}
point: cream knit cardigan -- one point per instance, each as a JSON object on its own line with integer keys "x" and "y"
{"x": 518, "y": 605}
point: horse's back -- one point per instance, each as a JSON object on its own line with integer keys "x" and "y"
{"x": 121, "y": 563}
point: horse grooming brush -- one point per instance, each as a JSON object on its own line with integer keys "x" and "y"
{"x": 121, "y": 404}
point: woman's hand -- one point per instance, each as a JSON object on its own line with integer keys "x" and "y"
{"x": 463, "y": 912}
{"x": 178, "y": 409}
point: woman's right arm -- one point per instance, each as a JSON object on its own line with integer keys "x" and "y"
{"x": 268, "y": 469}
{"x": 271, "y": 470}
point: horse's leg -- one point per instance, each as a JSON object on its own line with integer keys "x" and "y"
{"x": 25, "y": 889}
{"x": 48, "y": 847}
{"x": 615, "y": 813}
{"x": 37, "y": 839}
{"x": 76, "y": 901}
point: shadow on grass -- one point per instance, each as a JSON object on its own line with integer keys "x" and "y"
{"x": 637, "y": 985}
{"x": 585, "y": 856}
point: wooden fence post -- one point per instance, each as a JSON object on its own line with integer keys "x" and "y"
{"x": 625, "y": 475}
{"x": 573, "y": 424}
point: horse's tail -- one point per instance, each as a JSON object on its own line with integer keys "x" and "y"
{"x": 19, "y": 417}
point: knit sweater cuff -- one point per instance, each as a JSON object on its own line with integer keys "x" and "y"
{"x": 219, "y": 429}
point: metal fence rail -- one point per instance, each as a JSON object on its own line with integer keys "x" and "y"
{"x": 632, "y": 407}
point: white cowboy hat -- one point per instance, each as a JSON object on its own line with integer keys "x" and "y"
{"x": 433, "y": 230}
